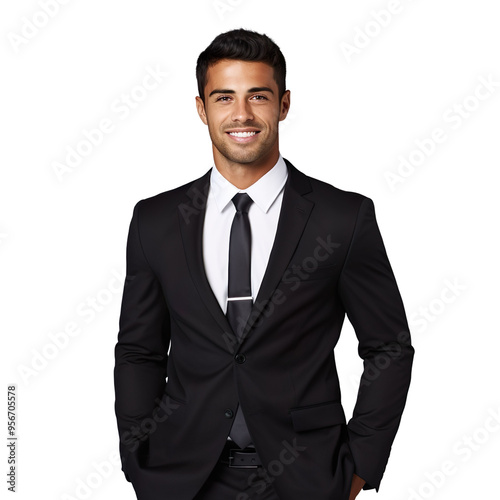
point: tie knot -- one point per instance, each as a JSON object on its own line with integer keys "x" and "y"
{"x": 242, "y": 202}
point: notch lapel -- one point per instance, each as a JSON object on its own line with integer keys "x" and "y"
{"x": 191, "y": 220}
{"x": 294, "y": 214}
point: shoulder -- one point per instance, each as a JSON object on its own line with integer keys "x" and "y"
{"x": 192, "y": 193}
{"x": 326, "y": 195}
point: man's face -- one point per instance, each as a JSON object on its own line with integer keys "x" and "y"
{"x": 242, "y": 110}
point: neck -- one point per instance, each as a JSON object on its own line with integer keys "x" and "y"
{"x": 243, "y": 175}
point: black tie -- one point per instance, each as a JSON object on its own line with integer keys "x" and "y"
{"x": 239, "y": 301}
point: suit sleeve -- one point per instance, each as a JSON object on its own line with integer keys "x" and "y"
{"x": 374, "y": 307}
{"x": 142, "y": 347}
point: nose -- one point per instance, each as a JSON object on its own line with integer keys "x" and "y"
{"x": 242, "y": 111}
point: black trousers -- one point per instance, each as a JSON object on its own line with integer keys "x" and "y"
{"x": 227, "y": 483}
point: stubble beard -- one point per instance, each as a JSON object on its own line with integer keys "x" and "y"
{"x": 241, "y": 153}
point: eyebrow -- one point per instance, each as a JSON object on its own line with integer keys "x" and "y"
{"x": 229, "y": 91}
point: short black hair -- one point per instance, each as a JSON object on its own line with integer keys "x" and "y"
{"x": 241, "y": 45}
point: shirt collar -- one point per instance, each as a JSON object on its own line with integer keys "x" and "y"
{"x": 263, "y": 192}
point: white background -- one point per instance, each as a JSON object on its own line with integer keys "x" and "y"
{"x": 62, "y": 237}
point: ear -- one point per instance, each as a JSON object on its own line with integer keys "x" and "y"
{"x": 200, "y": 107}
{"x": 284, "y": 105}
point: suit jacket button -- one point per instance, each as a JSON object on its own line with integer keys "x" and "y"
{"x": 229, "y": 413}
{"x": 240, "y": 358}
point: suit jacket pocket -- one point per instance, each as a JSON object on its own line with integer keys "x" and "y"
{"x": 305, "y": 418}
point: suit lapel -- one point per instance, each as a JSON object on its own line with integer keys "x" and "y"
{"x": 191, "y": 219}
{"x": 294, "y": 214}
{"x": 295, "y": 210}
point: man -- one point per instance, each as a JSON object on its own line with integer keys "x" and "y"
{"x": 236, "y": 290}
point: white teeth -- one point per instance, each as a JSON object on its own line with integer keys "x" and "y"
{"x": 242, "y": 134}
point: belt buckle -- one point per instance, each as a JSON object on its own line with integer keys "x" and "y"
{"x": 232, "y": 458}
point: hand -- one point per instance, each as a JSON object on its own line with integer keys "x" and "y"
{"x": 356, "y": 486}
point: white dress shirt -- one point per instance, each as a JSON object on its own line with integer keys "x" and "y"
{"x": 263, "y": 214}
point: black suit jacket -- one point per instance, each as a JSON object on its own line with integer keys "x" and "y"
{"x": 328, "y": 259}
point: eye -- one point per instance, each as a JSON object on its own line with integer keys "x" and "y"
{"x": 223, "y": 98}
{"x": 259, "y": 97}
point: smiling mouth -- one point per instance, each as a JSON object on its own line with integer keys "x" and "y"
{"x": 243, "y": 134}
